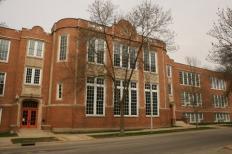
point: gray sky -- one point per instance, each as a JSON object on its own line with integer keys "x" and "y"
{"x": 192, "y": 19}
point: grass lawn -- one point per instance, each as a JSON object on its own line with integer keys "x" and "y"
{"x": 8, "y": 134}
{"x": 33, "y": 140}
{"x": 147, "y": 132}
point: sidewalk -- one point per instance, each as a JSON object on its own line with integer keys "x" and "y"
{"x": 5, "y": 142}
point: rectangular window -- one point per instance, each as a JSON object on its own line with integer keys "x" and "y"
{"x": 194, "y": 117}
{"x": 35, "y": 48}
{"x": 95, "y": 96}
{"x": 59, "y": 91}
{"x": 117, "y": 55}
{"x": 190, "y": 79}
{"x": 220, "y": 101}
{"x": 191, "y": 99}
{"x": 217, "y": 84}
{"x": 151, "y": 99}
{"x": 63, "y": 47}
{"x": 124, "y": 56}
{"x": 2, "y": 83}
{"x": 33, "y": 76}
{"x": 149, "y": 59}
{"x": 222, "y": 117}
{"x": 169, "y": 71}
{"x": 4, "y": 50}
{"x": 130, "y": 104}
{"x": 0, "y": 116}
{"x": 170, "y": 89}
{"x": 96, "y": 51}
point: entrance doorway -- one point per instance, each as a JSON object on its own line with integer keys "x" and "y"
{"x": 29, "y": 114}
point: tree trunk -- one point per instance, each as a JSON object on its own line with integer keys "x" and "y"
{"x": 122, "y": 123}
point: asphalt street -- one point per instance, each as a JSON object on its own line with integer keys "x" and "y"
{"x": 212, "y": 141}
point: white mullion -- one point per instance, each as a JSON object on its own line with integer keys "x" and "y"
{"x": 95, "y": 97}
{"x": 32, "y": 75}
{"x": 35, "y": 49}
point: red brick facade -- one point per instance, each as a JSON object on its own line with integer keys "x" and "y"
{"x": 70, "y": 111}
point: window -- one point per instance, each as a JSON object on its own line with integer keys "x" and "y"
{"x": 222, "y": 117}
{"x": 190, "y": 79}
{"x": 218, "y": 84}
{"x": 189, "y": 99}
{"x": 220, "y": 101}
{"x": 96, "y": 51}
{"x": 149, "y": 59}
{"x": 151, "y": 99}
{"x": 59, "y": 91}
{"x": 130, "y": 104}
{"x": 124, "y": 56}
{"x": 169, "y": 89}
{"x": 2, "y": 83}
{"x": 33, "y": 76}
{"x": 63, "y": 47}
{"x": 169, "y": 71}
{"x": 35, "y": 48}
{"x": 0, "y": 115}
{"x": 194, "y": 117}
{"x": 4, "y": 50}
{"x": 95, "y": 96}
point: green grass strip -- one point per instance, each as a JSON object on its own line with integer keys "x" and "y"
{"x": 147, "y": 132}
{"x": 7, "y": 134}
{"x": 28, "y": 140}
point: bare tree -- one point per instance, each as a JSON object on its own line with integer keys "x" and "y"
{"x": 148, "y": 19}
{"x": 221, "y": 52}
{"x": 195, "y": 95}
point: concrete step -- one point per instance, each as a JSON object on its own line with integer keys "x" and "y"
{"x": 33, "y": 132}
{"x": 182, "y": 124}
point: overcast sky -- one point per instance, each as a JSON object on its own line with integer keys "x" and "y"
{"x": 192, "y": 19}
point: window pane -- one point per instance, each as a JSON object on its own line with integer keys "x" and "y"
{"x": 39, "y": 49}
{"x": 148, "y": 103}
{"x": 63, "y": 47}
{"x": 116, "y": 55}
{"x": 132, "y": 58}
{"x": 31, "y": 48}
{"x": 91, "y": 50}
{"x": 125, "y": 56}
{"x": 4, "y": 45}
{"x": 2, "y": 79}
{"x": 100, "y": 52}
{"x": 117, "y": 102}
{"x": 153, "y": 68}
{"x": 146, "y": 61}
{"x": 37, "y": 76}
{"x": 29, "y": 75}
{"x": 90, "y": 100}
{"x": 100, "y": 100}
{"x": 133, "y": 102}
{"x": 155, "y": 103}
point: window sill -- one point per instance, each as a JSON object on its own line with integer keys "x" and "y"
{"x": 32, "y": 85}
{"x": 35, "y": 57}
{"x": 4, "y": 61}
{"x": 94, "y": 115}
{"x": 127, "y": 116}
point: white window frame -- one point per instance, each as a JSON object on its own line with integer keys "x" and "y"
{"x": 129, "y": 96}
{"x": 149, "y": 54}
{"x": 192, "y": 117}
{"x": 95, "y": 85}
{"x": 4, "y": 83}
{"x": 171, "y": 94}
{"x": 96, "y": 49}
{"x": 58, "y": 91}
{"x": 187, "y": 75}
{"x": 158, "y": 99}
{"x": 121, "y": 55}
{"x": 35, "y": 49}
{"x": 33, "y": 76}
{"x": 189, "y": 96}
{"x": 169, "y": 71}
{"x": 218, "y": 84}
{"x": 8, "y": 52}
{"x": 67, "y": 48}
{"x": 1, "y": 110}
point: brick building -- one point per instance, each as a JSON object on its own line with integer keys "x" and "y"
{"x": 54, "y": 80}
